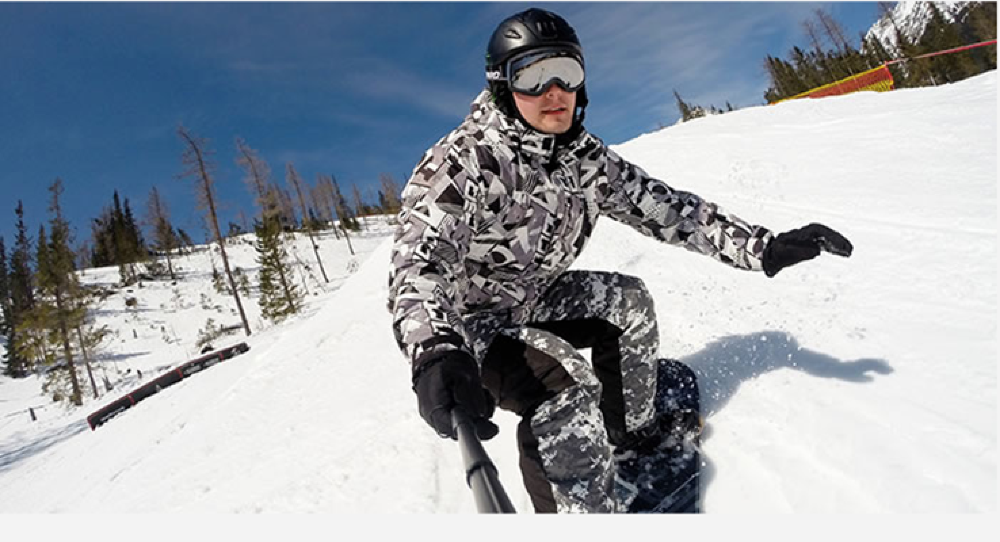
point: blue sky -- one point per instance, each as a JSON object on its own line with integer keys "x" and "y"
{"x": 93, "y": 93}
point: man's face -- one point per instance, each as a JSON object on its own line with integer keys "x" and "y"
{"x": 550, "y": 113}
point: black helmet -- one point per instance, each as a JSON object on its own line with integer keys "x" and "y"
{"x": 526, "y": 31}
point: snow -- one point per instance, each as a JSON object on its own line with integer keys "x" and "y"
{"x": 852, "y": 391}
{"x": 912, "y": 19}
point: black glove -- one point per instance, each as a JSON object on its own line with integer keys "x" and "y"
{"x": 803, "y": 244}
{"x": 449, "y": 380}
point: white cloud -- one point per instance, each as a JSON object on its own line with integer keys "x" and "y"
{"x": 711, "y": 52}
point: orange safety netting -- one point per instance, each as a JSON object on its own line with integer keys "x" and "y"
{"x": 877, "y": 79}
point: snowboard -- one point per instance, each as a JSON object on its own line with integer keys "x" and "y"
{"x": 663, "y": 474}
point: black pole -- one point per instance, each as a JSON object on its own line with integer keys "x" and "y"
{"x": 480, "y": 472}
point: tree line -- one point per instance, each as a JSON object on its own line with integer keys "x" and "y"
{"x": 47, "y": 316}
{"x": 830, "y": 55}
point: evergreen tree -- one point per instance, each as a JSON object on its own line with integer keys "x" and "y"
{"x": 877, "y": 53}
{"x": 683, "y": 107}
{"x": 117, "y": 240}
{"x": 918, "y": 70}
{"x": 940, "y": 35}
{"x": 135, "y": 242}
{"x": 21, "y": 279}
{"x": 185, "y": 239}
{"x": 21, "y": 291}
{"x": 982, "y": 21}
{"x": 102, "y": 240}
{"x": 120, "y": 243}
{"x": 12, "y": 365}
{"x": 807, "y": 69}
{"x": 58, "y": 282}
{"x": 279, "y": 296}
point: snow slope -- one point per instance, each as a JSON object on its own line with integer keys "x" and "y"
{"x": 842, "y": 386}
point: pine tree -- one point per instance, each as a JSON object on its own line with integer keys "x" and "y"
{"x": 185, "y": 239}
{"x": 21, "y": 287}
{"x": 200, "y": 169}
{"x": 21, "y": 279}
{"x": 279, "y": 296}
{"x": 120, "y": 245}
{"x": 877, "y": 53}
{"x": 807, "y": 69}
{"x": 683, "y": 107}
{"x": 137, "y": 252}
{"x": 102, "y": 240}
{"x": 941, "y": 35}
{"x": 982, "y": 21}
{"x": 59, "y": 284}
{"x": 11, "y": 367}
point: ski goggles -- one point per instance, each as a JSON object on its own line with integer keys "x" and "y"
{"x": 533, "y": 73}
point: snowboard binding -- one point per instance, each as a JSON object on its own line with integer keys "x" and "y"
{"x": 659, "y": 467}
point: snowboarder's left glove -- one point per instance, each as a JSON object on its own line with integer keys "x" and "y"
{"x": 803, "y": 244}
{"x": 451, "y": 380}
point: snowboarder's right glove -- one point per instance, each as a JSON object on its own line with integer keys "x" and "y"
{"x": 803, "y": 244}
{"x": 449, "y": 380}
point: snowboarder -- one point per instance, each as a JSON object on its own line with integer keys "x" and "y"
{"x": 483, "y": 306}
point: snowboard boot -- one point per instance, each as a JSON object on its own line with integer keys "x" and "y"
{"x": 658, "y": 466}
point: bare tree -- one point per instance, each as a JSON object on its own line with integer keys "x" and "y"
{"x": 158, "y": 217}
{"x": 296, "y": 182}
{"x": 359, "y": 205}
{"x": 196, "y": 158}
{"x": 258, "y": 177}
{"x": 390, "y": 189}
{"x": 285, "y": 207}
{"x": 810, "y": 29}
{"x": 835, "y": 33}
{"x": 833, "y": 30}
{"x": 340, "y": 206}
{"x": 321, "y": 201}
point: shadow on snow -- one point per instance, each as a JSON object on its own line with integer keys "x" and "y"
{"x": 723, "y": 365}
{"x": 19, "y": 451}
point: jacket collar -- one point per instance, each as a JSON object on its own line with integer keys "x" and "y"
{"x": 514, "y": 132}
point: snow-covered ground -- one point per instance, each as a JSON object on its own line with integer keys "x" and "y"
{"x": 864, "y": 387}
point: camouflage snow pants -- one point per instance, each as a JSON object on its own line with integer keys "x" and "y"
{"x": 574, "y": 411}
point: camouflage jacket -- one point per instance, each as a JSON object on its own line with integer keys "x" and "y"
{"x": 495, "y": 211}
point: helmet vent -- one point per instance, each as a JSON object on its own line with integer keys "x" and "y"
{"x": 547, "y": 29}
{"x": 512, "y": 33}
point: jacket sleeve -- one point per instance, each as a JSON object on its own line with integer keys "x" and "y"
{"x": 429, "y": 248}
{"x": 629, "y": 195}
